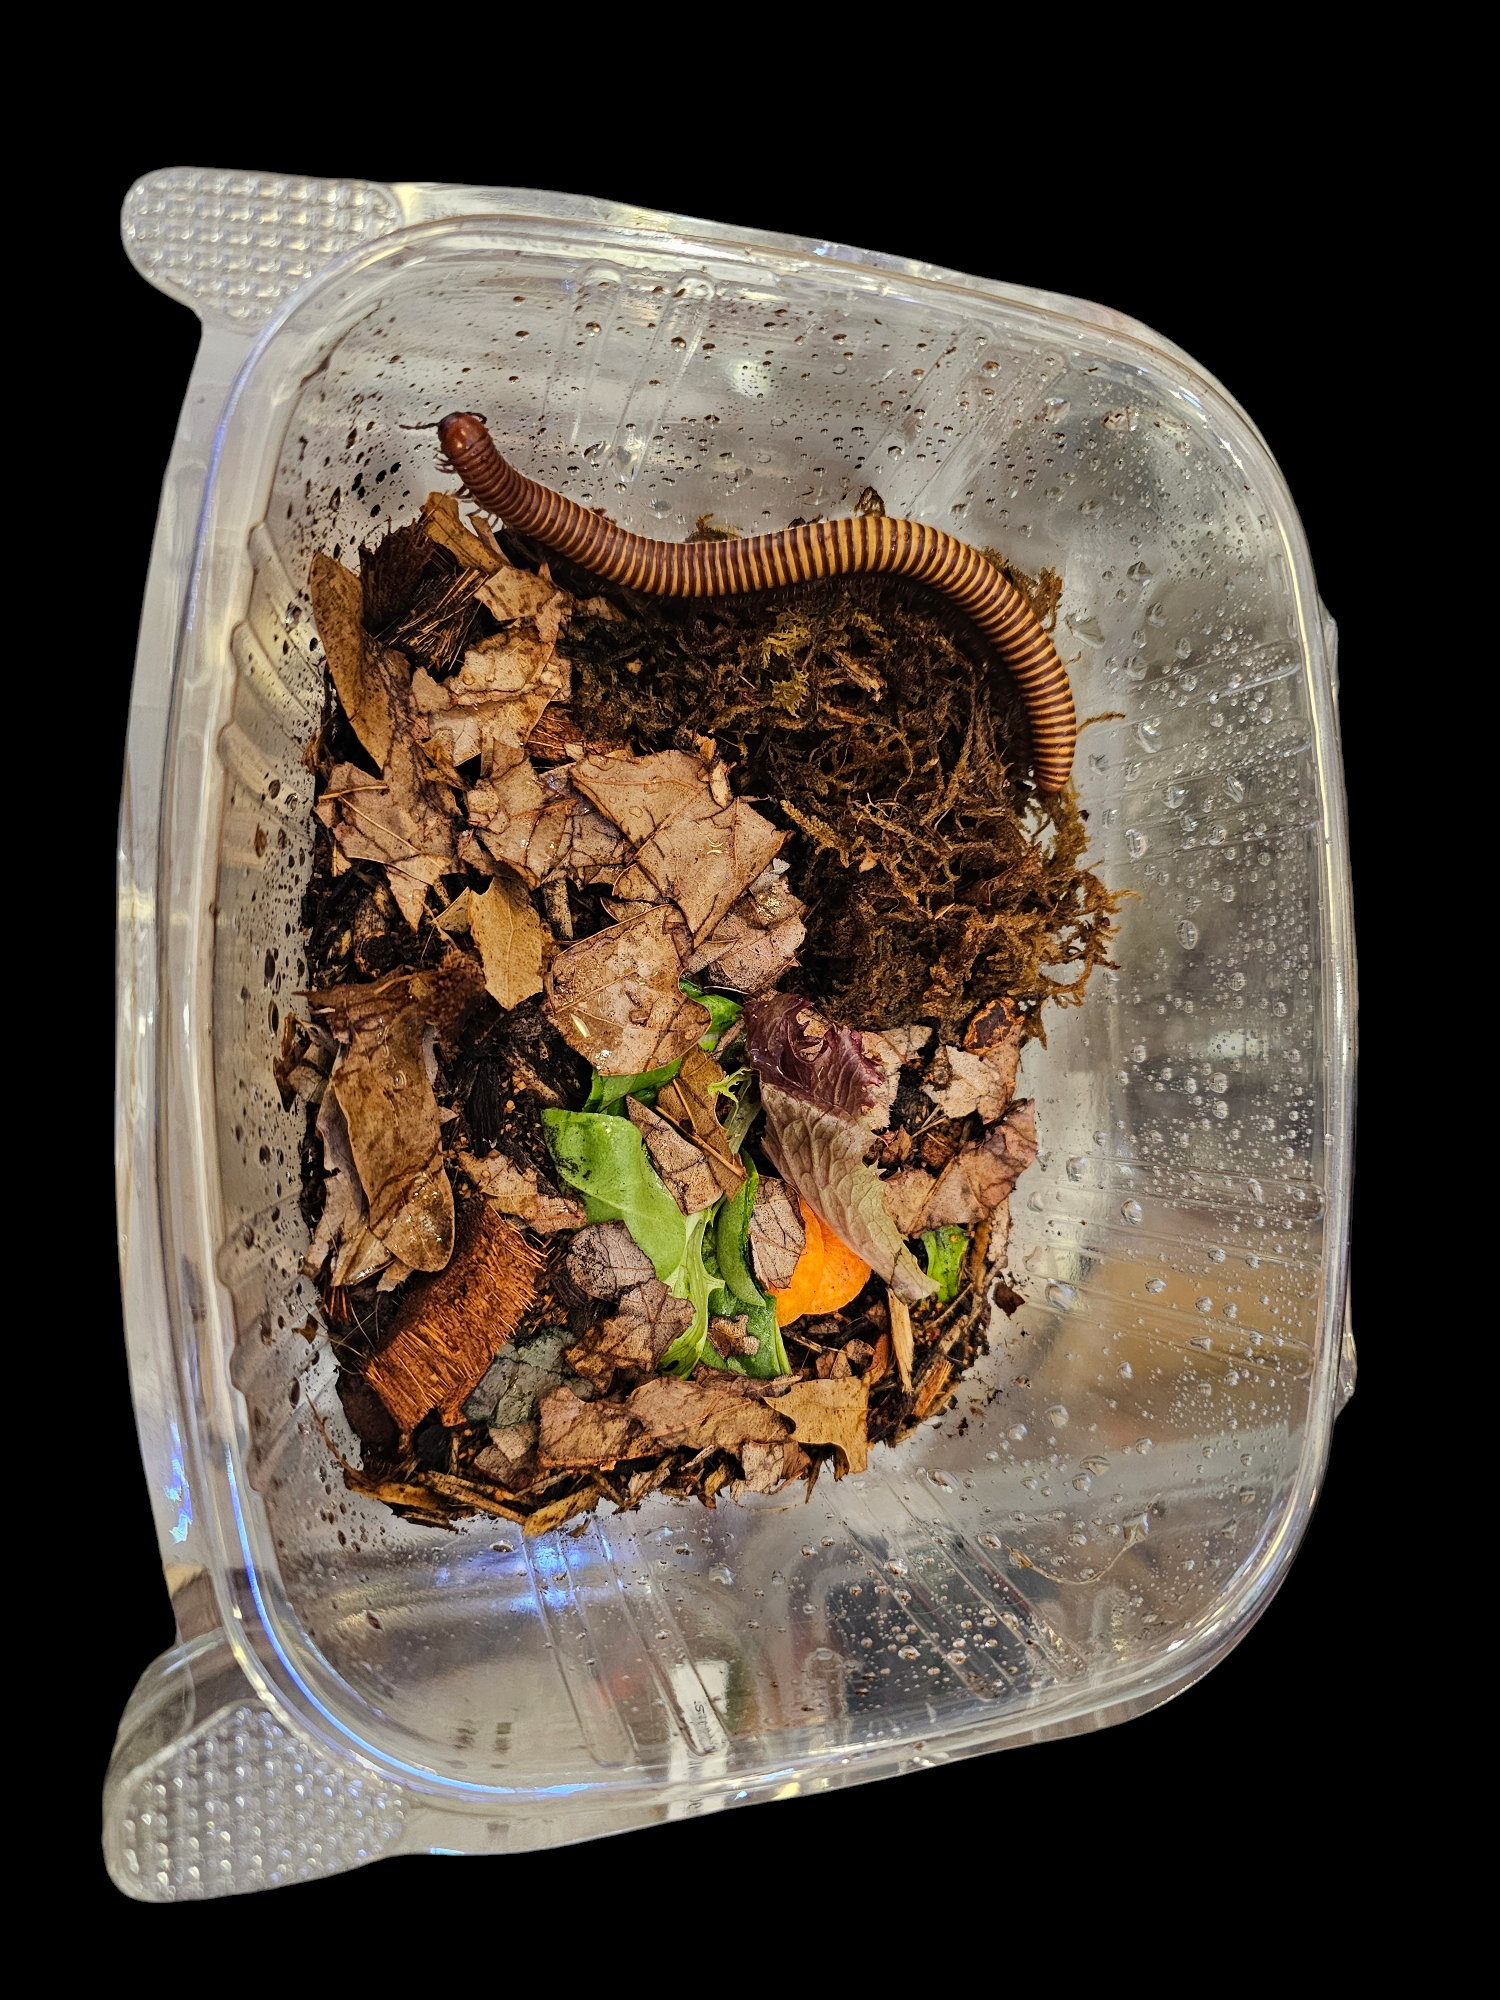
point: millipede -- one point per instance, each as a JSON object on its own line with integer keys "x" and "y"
{"x": 863, "y": 544}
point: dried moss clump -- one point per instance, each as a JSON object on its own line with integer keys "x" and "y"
{"x": 896, "y": 752}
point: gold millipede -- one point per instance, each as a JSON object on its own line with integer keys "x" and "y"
{"x": 864, "y": 544}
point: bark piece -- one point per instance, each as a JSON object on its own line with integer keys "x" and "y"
{"x": 777, "y": 1234}
{"x": 682, "y": 1165}
{"x": 523, "y": 1193}
{"x": 614, "y": 997}
{"x": 445, "y": 1332}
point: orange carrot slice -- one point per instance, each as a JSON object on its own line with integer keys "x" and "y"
{"x": 828, "y": 1274}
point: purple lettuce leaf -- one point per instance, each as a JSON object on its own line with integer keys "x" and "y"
{"x": 805, "y": 1056}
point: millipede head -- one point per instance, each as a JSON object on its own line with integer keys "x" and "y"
{"x": 460, "y": 433}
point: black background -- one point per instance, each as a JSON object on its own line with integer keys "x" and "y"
{"x": 1269, "y": 282}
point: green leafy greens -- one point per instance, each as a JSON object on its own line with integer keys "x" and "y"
{"x": 945, "y": 1250}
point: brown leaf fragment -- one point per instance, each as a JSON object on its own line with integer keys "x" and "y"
{"x": 934, "y": 1386}
{"x": 505, "y": 808}
{"x": 446, "y": 528}
{"x": 523, "y": 1193}
{"x": 908, "y": 1042}
{"x": 953, "y": 1199}
{"x": 829, "y": 1413}
{"x": 903, "y": 1345}
{"x": 343, "y": 1234}
{"x": 605, "y": 1261}
{"x": 747, "y": 958}
{"x": 505, "y": 663}
{"x": 556, "y": 1512}
{"x": 907, "y": 1197}
{"x": 778, "y": 1235}
{"x": 702, "y": 857}
{"x": 993, "y": 1168}
{"x": 859, "y": 1354}
{"x": 512, "y": 594}
{"x": 510, "y": 1456}
{"x": 614, "y": 997}
{"x": 983, "y": 1082}
{"x": 353, "y": 661}
{"x": 578, "y": 1433}
{"x": 633, "y": 1339}
{"x": 693, "y": 1417}
{"x": 683, "y": 1167}
{"x": 396, "y": 1139}
{"x": 832, "y": 1365}
{"x": 446, "y": 1331}
{"x": 639, "y": 794}
{"x": 768, "y": 1465}
{"x": 469, "y": 1494}
{"x": 509, "y": 935}
{"x": 728, "y": 1336}
{"x": 689, "y": 1100}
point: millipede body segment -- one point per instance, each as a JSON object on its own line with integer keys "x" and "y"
{"x": 861, "y": 545}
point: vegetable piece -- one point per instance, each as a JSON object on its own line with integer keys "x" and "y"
{"x": 827, "y": 1277}
{"x": 822, "y": 1155}
{"x": 946, "y": 1249}
{"x": 731, "y": 1243}
{"x": 604, "y": 1159}
{"x": 605, "y": 1092}
{"x": 722, "y": 1012}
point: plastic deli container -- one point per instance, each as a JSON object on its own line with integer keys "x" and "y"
{"x": 1147, "y": 1434}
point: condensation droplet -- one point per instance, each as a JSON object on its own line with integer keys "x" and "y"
{"x": 1057, "y": 1416}
{"x": 1132, "y": 1211}
{"x": 1156, "y": 1284}
{"x": 1187, "y": 934}
{"x": 1136, "y": 842}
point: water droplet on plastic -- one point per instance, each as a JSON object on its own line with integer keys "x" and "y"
{"x": 1187, "y": 934}
{"x": 1086, "y": 627}
{"x": 906, "y": 1653}
{"x": 1174, "y": 795}
{"x": 1131, "y": 1211}
{"x": 1127, "y": 1373}
{"x": 1143, "y": 1445}
{"x": 1149, "y": 735}
{"x": 1184, "y": 649}
{"x": 1138, "y": 1053}
{"x": 1204, "y": 1306}
{"x": 1016, "y": 1433}
{"x": 1083, "y": 1483}
{"x": 1078, "y": 1168}
{"x": 1060, "y": 1296}
{"x": 824, "y": 1653}
{"x": 1136, "y": 843}
{"x": 1156, "y": 1284}
{"x": 1138, "y": 573}
{"x": 1235, "y": 788}
{"x": 1057, "y": 1416}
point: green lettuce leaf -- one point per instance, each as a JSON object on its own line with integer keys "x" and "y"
{"x": 602, "y": 1157}
{"x": 723, "y": 1012}
{"x": 607, "y": 1092}
{"x": 731, "y": 1241}
{"x": 945, "y": 1250}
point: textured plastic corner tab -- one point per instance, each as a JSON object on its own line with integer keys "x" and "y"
{"x": 209, "y": 1794}
{"x": 236, "y": 246}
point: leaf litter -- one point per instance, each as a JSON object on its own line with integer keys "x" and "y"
{"x": 671, "y": 969}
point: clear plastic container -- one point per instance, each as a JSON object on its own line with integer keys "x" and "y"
{"x": 1143, "y": 1443}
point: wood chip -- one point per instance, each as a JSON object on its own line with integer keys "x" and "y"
{"x": 509, "y": 934}
{"x": 446, "y": 1331}
{"x": 556, "y": 1512}
{"x": 903, "y": 1345}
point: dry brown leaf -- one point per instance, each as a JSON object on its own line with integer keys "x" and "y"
{"x": 770, "y": 1465}
{"x": 640, "y": 793}
{"x": 1008, "y": 1150}
{"x": 446, "y": 1332}
{"x": 778, "y": 1235}
{"x": 728, "y": 1336}
{"x": 358, "y": 677}
{"x": 981, "y": 1083}
{"x": 907, "y": 1197}
{"x": 953, "y": 1200}
{"x": 702, "y": 857}
{"x": 832, "y": 1365}
{"x": 505, "y": 663}
{"x": 343, "y": 1234}
{"x": 396, "y": 1139}
{"x": 908, "y": 1042}
{"x": 605, "y": 1261}
{"x": 446, "y": 528}
{"x": 614, "y": 997}
{"x": 684, "y": 1168}
{"x": 578, "y": 1433}
{"x": 935, "y": 1385}
{"x": 509, "y": 934}
{"x": 510, "y": 594}
{"x": 510, "y": 1456}
{"x": 635, "y": 1338}
{"x": 829, "y": 1413}
{"x": 903, "y": 1345}
{"x": 690, "y": 1416}
{"x": 689, "y": 1100}
{"x": 523, "y": 1193}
